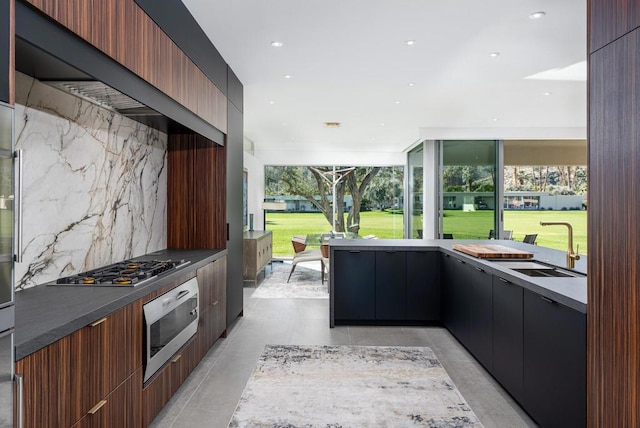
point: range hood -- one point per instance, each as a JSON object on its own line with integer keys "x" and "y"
{"x": 103, "y": 95}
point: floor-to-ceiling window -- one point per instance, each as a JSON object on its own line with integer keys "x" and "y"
{"x": 469, "y": 202}
{"x": 415, "y": 185}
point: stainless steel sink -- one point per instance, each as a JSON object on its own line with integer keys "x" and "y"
{"x": 538, "y": 269}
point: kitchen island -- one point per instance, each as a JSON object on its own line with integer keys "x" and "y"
{"x": 529, "y": 332}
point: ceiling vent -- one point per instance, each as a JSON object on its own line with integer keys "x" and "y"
{"x": 103, "y": 95}
{"x": 332, "y": 124}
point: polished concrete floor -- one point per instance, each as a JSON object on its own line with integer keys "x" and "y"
{"x": 208, "y": 397}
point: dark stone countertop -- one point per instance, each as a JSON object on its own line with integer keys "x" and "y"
{"x": 47, "y": 313}
{"x": 571, "y": 292}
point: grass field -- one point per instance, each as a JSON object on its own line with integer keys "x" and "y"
{"x": 385, "y": 225}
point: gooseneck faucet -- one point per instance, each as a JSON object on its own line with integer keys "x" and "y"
{"x": 571, "y": 256}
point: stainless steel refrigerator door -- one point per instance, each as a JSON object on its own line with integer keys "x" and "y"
{"x": 6, "y": 379}
{"x": 6, "y": 204}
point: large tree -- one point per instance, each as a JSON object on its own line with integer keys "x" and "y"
{"x": 311, "y": 183}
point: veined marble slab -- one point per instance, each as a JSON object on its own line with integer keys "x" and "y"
{"x": 94, "y": 184}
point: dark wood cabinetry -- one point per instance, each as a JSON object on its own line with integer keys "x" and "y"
{"x": 87, "y": 376}
{"x": 212, "y": 281}
{"x": 103, "y": 355}
{"x": 196, "y": 216}
{"x": 507, "y": 335}
{"x": 354, "y": 285}
{"x": 122, "y": 408}
{"x": 158, "y": 391}
{"x": 390, "y": 285}
{"x": 554, "y": 367}
{"x": 94, "y": 376}
{"x": 46, "y": 383}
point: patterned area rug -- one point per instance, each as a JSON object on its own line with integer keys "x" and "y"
{"x": 305, "y": 282}
{"x": 351, "y": 386}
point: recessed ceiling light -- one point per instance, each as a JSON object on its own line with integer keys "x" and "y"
{"x": 382, "y": 124}
{"x": 537, "y": 15}
{"x": 284, "y": 123}
{"x": 495, "y": 119}
{"x": 494, "y": 54}
{"x": 287, "y": 76}
{"x": 397, "y": 102}
{"x": 276, "y": 44}
{"x": 547, "y": 93}
{"x": 410, "y": 42}
{"x": 411, "y": 84}
{"x": 272, "y": 102}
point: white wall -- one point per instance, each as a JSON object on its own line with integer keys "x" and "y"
{"x": 255, "y": 191}
{"x": 322, "y": 158}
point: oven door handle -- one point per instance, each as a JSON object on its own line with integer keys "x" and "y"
{"x": 182, "y": 294}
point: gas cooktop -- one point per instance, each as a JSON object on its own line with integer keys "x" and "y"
{"x": 128, "y": 273}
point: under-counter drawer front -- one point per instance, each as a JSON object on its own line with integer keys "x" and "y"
{"x": 122, "y": 408}
{"x": 103, "y": 355}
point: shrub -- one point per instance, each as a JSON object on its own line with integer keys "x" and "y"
{"x": 564, "y": 209}
{"x": 541, "y": 208}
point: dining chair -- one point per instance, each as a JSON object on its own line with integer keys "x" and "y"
{"x": 530, "y": 239}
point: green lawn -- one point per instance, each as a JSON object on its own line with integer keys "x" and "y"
{"x": 385, "y": 225}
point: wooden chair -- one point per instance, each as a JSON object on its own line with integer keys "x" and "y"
{"x": 530, "y": 239}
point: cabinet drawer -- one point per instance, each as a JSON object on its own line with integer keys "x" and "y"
{"x": 121, "y": 408}
{"x": 158, "y": 391}
{"x": 103, "y": 355}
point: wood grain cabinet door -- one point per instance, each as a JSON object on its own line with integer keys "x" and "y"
{"x": 46, "y": 394}
{"x": 103, "y": 355}
{"x": 122, "y": 408}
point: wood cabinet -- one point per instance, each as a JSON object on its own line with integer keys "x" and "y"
{"x": 46, "y": 386}
{"x": 212, "y": 281}
{"x": 257, "y": 253}
{"x": 103, "y": 355}
{"x": 159, "y": 389}
{"x": 93, "y": 377}
{"x": 554, "y": 364}
{"x": 122, "y": 408}
{"x": 69, "y": 379}
{"x": 507, "y": 335}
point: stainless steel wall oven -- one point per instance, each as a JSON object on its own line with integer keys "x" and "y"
{"x": 171, "y": 320}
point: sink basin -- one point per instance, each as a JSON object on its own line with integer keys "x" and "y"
{"x": 538, "y": 269}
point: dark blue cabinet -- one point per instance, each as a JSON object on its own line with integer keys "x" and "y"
{"x": 423, "y": 286}
{"x": 391, "y": 285}
{"x": 507, "y": 335}
{"x": 354, "y": 290}
{"x": 554, "y": 380}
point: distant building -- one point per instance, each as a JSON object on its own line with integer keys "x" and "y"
{"x": 472, "y": 201}
{"x": 301, "y": 204}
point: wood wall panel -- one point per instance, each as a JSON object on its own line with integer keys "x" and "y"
{"x": 123, "y": 31}
{"x": 196, "y": 213}
{"x": 611, "y": 19}
{"x": 613, "y": 311}
{"x": 46, "y": 385}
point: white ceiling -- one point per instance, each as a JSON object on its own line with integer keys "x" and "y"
{"x": 349, "y": 63}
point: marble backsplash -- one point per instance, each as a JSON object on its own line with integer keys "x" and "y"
{"x": 94, "y": 184}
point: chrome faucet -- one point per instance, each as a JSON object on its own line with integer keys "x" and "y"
{"x": 571, "y": 256}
